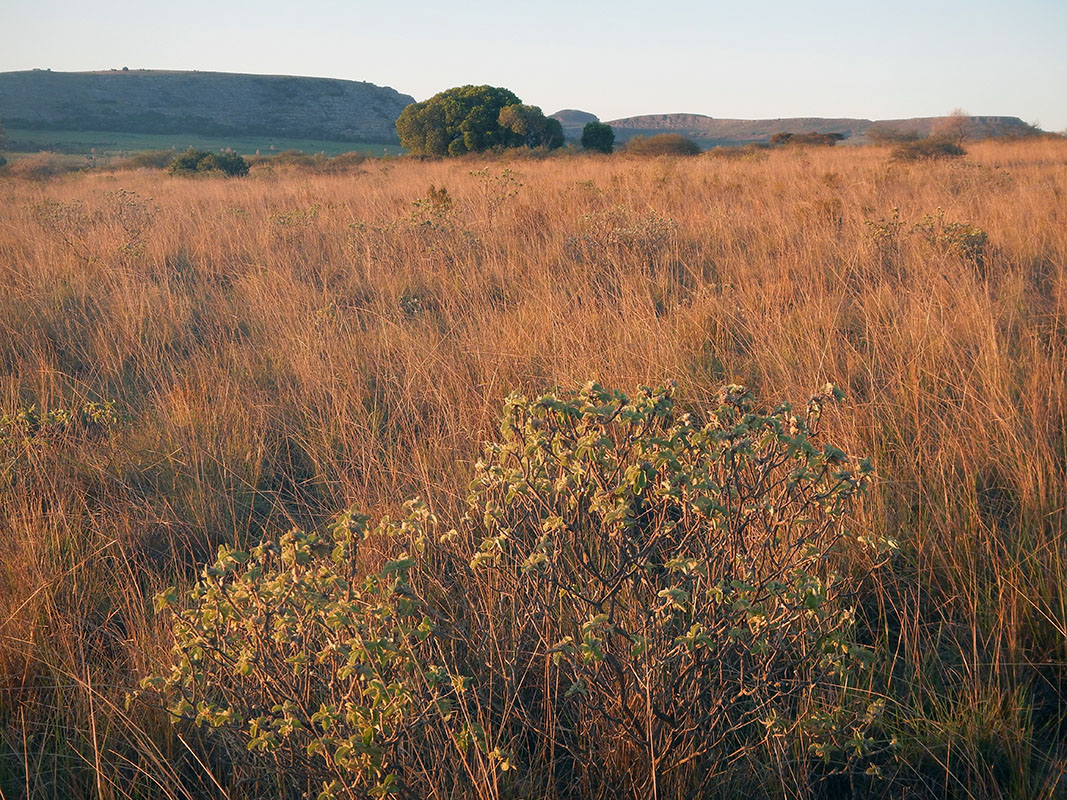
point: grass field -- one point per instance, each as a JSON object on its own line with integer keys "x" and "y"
{"x": 108, "y": 144}
{"x": 284, "y": 346}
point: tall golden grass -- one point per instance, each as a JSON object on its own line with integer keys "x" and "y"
{"x": 286, "y": 345}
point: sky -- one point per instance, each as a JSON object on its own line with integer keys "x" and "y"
{"x": 743, "y": 59}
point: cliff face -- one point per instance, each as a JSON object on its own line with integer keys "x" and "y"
{"x": 205, "y": 103}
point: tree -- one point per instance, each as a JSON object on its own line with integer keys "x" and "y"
{"x": 598, "y": 136}
{"x": 955, "y": 127}
{"x": 468, "y": 119}
{"x": 529, "y": 123}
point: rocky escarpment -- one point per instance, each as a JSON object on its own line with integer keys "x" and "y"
{"x": 205, "y": 103}
{"x": 711, "y": 131}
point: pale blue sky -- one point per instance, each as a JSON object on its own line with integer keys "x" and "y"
{"x": 740, "y": 59}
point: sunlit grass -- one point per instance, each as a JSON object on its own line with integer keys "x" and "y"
{"x": 286, "y": 345}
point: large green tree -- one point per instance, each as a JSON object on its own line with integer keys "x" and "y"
{"x": 469, "y": 119}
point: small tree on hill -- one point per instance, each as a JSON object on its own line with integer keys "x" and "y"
{"x": 599, "y": 137}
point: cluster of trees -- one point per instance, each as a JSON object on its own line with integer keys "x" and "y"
{"x": 473, "y": 119}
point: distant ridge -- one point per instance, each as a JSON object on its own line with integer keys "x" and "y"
{"x": 204, "y": 103}
{"x": 711, "y": 132}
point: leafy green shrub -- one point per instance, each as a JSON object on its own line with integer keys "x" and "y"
{"x": 931, "y": 148}
{"x": 303, "y": 662}
{"x": 662, "y": 144}
{"x": 32, "y": 441}
{"x": 632, "y": 600}
{"x": 665, "y": 593}
{"x": 200, "y": 161}
{"x": 960, "y": 239}
{"x": 3, "y": 161}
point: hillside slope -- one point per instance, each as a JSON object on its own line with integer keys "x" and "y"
{"x": 206, "y": 103}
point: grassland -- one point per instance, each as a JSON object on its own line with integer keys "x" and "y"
{"x": 287, "y": 345}
{"x": 105, "y": 145}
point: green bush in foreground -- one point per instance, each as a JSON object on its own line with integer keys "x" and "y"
{"x": 634, "y": 602}
{"x": 199, "y": 161}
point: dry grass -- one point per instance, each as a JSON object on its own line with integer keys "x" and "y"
{"x": 286, "y": 345}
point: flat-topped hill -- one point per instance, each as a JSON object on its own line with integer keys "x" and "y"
{"x": 710, "y": 131}
{"x": 206, "y": 103}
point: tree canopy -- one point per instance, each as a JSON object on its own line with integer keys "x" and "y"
{"x": 598, "y": 136}
{"x": 469, "y": 119}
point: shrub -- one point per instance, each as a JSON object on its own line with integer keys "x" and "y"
{"x": 303, "y": 662}
{"x": 809, "y": 139}
{"x": 631, "y": 599}
{"x": 3, "y": 161}
{"x": 199, "y": 161}
{"x": 960, "y": 239}
{"x": 662, "y": 144}
{"x": 931, "y": 148}
{"x": 674, "y": 581}
{"x": 599, "y": 137}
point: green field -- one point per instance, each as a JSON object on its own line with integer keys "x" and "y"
{"x": 107, "y": 144}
